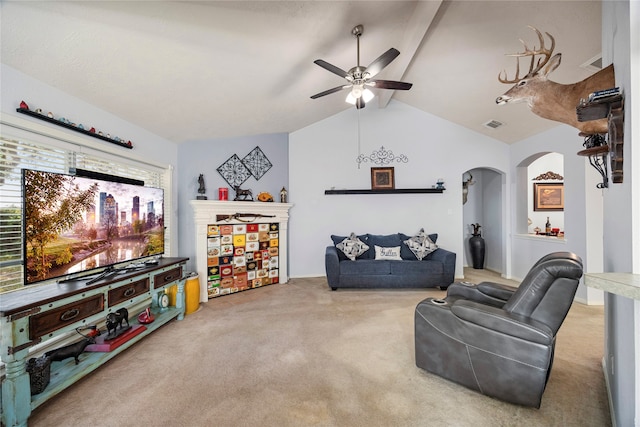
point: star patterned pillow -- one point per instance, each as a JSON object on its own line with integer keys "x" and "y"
{"x": 352, "y": 247}
{"x": 420, "y": 244}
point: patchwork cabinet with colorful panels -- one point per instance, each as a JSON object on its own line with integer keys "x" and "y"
{"x": 241, "y": 256}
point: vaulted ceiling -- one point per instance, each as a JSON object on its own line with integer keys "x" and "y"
{"x": 191, "y": 71}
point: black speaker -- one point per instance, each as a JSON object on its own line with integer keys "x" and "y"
{"x": 104, "y": 176}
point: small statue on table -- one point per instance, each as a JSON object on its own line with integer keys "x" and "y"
{"x": 201, "y": 189}
{"x": 116, "y": 320}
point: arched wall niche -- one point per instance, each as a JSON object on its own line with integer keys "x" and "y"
{"x": 526, "y": 218}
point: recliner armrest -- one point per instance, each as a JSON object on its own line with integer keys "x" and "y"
{"x": 501, "y": 321}
{"x": 496, "y": 290}
{"x": 485, "y": 294}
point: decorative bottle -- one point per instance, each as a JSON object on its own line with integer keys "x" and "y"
{"x": 547, "y": 227}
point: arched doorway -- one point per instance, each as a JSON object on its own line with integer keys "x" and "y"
{"x": 485, "y": 201}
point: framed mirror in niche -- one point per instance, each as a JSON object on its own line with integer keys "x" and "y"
{"x": 548, "y": 196}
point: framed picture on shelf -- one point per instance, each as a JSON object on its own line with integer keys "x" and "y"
{"x": 382, "y": 178}
{"x": 548, "y": 197}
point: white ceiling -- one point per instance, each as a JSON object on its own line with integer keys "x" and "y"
{"x": 191, "y": 71}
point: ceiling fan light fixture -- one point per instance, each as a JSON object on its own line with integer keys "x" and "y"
{"x": 359, "y": 91}
{"x": 367, "y": 95}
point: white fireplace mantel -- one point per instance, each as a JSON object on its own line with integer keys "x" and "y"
{"x": 205, "y": 212}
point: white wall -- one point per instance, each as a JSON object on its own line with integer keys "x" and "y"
{"x": 323, "y": 156}
{"x": 621, "y": 46}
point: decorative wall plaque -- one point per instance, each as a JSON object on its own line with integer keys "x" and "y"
{"x": 234, "y": 171}
{"x": 257, "y": 163}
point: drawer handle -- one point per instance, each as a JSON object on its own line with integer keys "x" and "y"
{"x": 129, "y": 292}
{"x": 168, "y": 278}
{"x": 69, "y": 314}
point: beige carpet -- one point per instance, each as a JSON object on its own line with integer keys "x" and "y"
{"x": 299, "y": 354}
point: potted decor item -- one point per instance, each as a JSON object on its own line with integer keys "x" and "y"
{"x": 476, "y": 246}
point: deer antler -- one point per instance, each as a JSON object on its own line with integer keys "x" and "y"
{"x": 532, "y": 53}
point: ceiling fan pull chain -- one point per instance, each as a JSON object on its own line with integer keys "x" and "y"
{"x": 359, "y": 150}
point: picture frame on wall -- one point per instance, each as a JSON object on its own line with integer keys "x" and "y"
{"x": 382, "y": 178}
{"x": 548, "y": 197}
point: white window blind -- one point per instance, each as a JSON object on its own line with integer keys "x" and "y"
{"x": 16, "y": 154}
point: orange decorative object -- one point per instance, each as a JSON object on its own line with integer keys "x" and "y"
{"x": 265, "y": 197}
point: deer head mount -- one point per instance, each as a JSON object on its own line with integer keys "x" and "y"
{"x": 551, "y": 100}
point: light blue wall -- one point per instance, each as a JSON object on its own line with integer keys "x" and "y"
{"x": 204, "y": 157}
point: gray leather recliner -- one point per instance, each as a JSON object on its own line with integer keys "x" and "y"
{"x": 496, "y": 339}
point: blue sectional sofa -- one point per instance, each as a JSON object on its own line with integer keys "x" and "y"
{"x": 396, "y": 266}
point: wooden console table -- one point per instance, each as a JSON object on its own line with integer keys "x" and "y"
{"x": 38, "y": 313}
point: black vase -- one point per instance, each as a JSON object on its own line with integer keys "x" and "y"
{"x": 476, "y": 245}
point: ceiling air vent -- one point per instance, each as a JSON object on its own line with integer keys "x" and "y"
{"x": 493, "y": 124}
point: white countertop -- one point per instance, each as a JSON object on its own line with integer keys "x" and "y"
{"x": 625, "y": 284}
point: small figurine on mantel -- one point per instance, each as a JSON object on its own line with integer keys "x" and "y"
{"x": 283, "y": 195}
{"x": 201, "y": 189}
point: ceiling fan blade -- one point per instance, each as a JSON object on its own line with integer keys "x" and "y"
{"x": 390, "y": 84}
{"x": 383, "y": 60}
{"x": 331, "y": 67}
{"x": 330, "y": 91}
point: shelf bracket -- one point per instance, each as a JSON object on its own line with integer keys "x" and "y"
{"x": 597, "y": 151}
{"x": 599, "y": 162}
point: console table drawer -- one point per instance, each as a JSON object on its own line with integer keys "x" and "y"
{"x": 49, "y": 321}
{"x": 167, "y": 277}
{"x": 129, "y": 291}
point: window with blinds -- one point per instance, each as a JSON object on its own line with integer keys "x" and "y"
{"x": 16, "y": 154}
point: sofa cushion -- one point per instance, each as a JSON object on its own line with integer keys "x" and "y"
{"x": 424, "y": 268}
{"x": 420, "y": 244}
{"x": 352, "y": 246}
{"x": 367, "y": 267}
{"x": 387, "y": 253}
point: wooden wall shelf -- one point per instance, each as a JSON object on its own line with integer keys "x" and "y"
{"x": 74, "y": 128}
{"x": 394, "y": 191}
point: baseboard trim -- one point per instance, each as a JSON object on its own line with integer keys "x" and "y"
{"x": 609, "y": 396}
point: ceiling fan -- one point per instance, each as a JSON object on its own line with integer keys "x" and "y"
{"x": 359, "y": 78}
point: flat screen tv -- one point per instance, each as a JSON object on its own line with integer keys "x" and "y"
{"x": 74, "y": 224}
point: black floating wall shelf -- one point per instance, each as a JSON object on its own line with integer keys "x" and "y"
{"x": 74, "y": 128}
{"x": 394, "y": 191}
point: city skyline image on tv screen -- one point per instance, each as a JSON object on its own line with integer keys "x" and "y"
{"x": 73, "y": 224}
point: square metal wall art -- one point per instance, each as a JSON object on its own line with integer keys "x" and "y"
{"x": 234, "y": 171}
{"x": 257, "y": 163}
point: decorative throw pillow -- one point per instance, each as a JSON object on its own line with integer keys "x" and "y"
{"x": 387, "y": 253}
{"x": 420, "y": 244}
{"x": 352, "y": 247}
